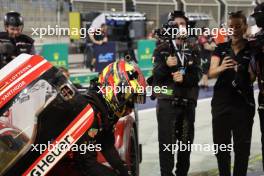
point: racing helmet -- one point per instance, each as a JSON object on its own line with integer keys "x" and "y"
{"x": 122, "y": 84}
{"x": 13, "y": 19}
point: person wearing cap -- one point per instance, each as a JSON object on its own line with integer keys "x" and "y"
{"x": 13, "y": 38}
{"x": 177, "y": 68}
{"x": 258, "y": 50}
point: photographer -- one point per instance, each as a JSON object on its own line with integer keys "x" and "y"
{"x": 176, "y": 67}
{"x": 233, "y": 105}
{"x": 13, "y": 38}
{"x": 258, "y": 49}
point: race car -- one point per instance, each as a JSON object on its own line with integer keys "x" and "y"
{"x": 40, "y": 109}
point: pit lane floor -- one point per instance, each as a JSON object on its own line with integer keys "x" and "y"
{"x": 202, "y": 163}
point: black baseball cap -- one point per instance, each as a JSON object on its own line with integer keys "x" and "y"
{"x": 259, "y": 9}
{"x": 177, "y": 14}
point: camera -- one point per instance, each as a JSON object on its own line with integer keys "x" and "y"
{"x": 167, "y": 33}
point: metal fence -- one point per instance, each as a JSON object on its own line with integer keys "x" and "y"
{"x": 41, "y": 13}
{"x": 36, "y": 13}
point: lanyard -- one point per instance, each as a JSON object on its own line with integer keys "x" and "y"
{"x": 180, "y": 56}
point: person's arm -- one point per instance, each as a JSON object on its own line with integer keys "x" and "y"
{"x": 162, "y": 66}
{"x": 177, "y": 77}
{"x": 105, "y": 40}
{"x": 216, "y": 68}
{"x": 209, "y": 47}
{"x": 193, "y": 75}
{"x": 111, "y": 154}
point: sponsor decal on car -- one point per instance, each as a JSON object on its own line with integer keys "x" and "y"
{"x": 22, "y": 76}
{"x": 47, "y": 160}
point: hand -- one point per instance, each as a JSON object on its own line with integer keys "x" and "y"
{"x": 177, "y": 77}
{"x": 105, "y": 40}
{"x": 171, "y": 61}
{"x": 227, "y": 64}
{"x": 100, "y": 42}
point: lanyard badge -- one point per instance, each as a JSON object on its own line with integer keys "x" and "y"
{"x": 181, "y": 57}
{"x": 180, "y": 54}
{"x": 182, "y": 70}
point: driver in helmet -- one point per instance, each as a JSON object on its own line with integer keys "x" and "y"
{"x": 119, "y": 86}
{"x": 46, "y": 105}
{"x": 12, "y": 41}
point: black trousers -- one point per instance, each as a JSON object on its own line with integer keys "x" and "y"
{"x": 261, "y": 119}
{"x": 175, "y": 124}
{"x": 236, "y": 122}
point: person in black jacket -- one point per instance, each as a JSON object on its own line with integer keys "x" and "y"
{"x": 176, "y": 66}
{"x": 12, "y": 41}
{"x": 110, "y": 105}
{"x": 258, "y": 50}
{"x": 233, "y": 105}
